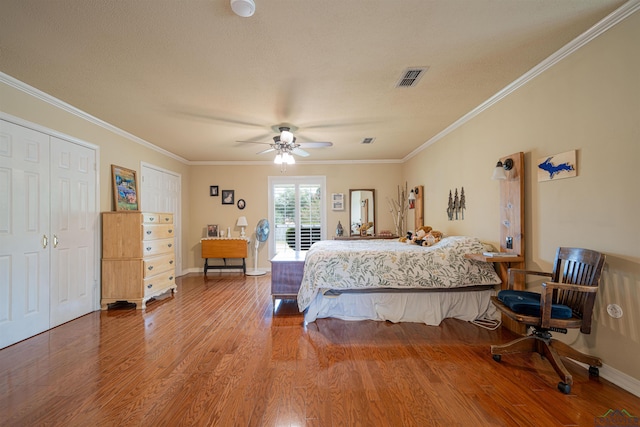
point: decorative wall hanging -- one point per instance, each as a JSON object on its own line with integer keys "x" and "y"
{"x": 213, "y": 190}
{"x": 337, "y": 201}
{"x": 125, "y": 188}
{"x": 456, "y": 205}
{"x": 241, "y": 204}
{"x": 558, "y": 166}
{"x": 227, "y": 197}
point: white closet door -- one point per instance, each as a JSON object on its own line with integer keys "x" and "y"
{"x": 24, "y": 231}
{"x": 161, "y": 192}
{"x": 73, "y": 230}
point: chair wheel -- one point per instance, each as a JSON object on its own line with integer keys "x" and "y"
{"x": 497, "y": 357}
{"x": 594, "y": 371}
{"x": 565, "y": 388}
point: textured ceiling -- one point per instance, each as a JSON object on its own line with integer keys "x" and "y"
{"x": 193, "y": 78}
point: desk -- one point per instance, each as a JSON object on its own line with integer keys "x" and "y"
{"x": 502, "y": 265}
{"x": 224, "y": 248}
{"x": 287, "y": 269}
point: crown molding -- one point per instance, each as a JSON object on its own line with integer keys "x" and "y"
{"x": 583, "y": 39}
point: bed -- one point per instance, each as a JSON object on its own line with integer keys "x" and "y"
{"x": 398, "y": 282}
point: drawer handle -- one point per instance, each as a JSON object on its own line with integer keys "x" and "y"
{"x": 171, "y": 262}
{"x": 150, "y": 268}
{"x": 166, "y": 219}
{"x": 170, "y": 277}
{"x": 151, "y": 218}
{"x": 149, "y": 286}
{"x": 170, "y": 231}
{"x": 170, "y": 244}
{"x": 148, "y": 248}
{"x": 148, "y": 231}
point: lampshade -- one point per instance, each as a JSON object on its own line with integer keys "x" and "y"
{"x": 242, "y": 222}
{"x": 244, "y": 8}
{"x": 498, "y": 172}
{"x": 286, "y": 137}
{"x": 288, "y": 159}
{"x": 278, "y": 159}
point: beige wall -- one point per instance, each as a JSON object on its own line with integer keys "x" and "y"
{"x": 113, "y": 148}
{"x": 589, "y": 102}
{"x": 250, "y": 183}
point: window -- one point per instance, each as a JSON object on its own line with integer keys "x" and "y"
{"x": 296, "y": 212}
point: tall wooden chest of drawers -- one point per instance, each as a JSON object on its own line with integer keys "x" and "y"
{"x": 138, "y": 257}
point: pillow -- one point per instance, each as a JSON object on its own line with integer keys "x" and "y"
{"x": 528, "y": 303}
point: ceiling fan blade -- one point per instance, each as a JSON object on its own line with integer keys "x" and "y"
{"x": 267, "y": 150}
{"x": 254, "y": 142}
{"x": 300, "y": 152}
{"x": 316, "y": 144}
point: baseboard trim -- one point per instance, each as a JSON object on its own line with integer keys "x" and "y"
{"x": 622, "y": 380}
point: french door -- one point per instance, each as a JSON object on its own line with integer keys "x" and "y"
{"x": 297, "y": 207}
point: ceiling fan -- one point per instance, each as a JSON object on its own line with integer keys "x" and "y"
{"x": 286, "y": 144}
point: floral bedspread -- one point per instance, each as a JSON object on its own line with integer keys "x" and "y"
{"x": 365, "y": 264}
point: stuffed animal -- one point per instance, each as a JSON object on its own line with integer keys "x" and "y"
{"x": 365, "y": 227}
{"x": 432, "y": 238}
{"x": 420, "y": 234}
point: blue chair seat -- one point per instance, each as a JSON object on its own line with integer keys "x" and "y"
{"x": 528, "y": 304}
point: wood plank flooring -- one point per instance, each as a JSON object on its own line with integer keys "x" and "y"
{"x": 216, "y": 354}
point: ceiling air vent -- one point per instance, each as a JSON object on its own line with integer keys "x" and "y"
{"x": 411, "y": 76}
{"x": 368, "y": 141}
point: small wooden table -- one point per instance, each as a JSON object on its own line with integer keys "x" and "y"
{"x": 287, "y": 269}
{"x": 224, "y": 248}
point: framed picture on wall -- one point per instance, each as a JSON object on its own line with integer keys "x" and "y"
{"x": 227, "y": 197}
{"x": 337, "y": 201}
{"x": 125, "y": 189}
{"x": 213, "y": 190}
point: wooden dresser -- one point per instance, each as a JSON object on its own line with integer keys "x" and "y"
{"x": 287, "y": 269}
{"x": 138, "y": 257}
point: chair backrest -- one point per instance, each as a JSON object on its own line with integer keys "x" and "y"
{"x": 580, "y": 267}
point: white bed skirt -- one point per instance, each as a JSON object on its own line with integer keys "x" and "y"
{"x": 425, "y": 307}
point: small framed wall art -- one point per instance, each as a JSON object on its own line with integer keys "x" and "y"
{"x": 228, "y": 197}
{"x": 213, "y": 190}
{"x": 125, "y": 189}
{"x": 557, "y": 166}
{"x": 337, "y": 201}
{"x": 241, "y": 204}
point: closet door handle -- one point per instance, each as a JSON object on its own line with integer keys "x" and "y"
{"x": 55, "y": 241}
{"x": 45, "y": 241}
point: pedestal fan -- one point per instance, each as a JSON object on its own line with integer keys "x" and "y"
{"x": 262, "y": 234}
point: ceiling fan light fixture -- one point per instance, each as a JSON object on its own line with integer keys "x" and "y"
{"x": 244, "y": 8}
{"x": 278, "y": 160}
{"x": 286, "y": 137}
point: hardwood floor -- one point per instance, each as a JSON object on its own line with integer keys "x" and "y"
{"x": 215, "y": 354}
